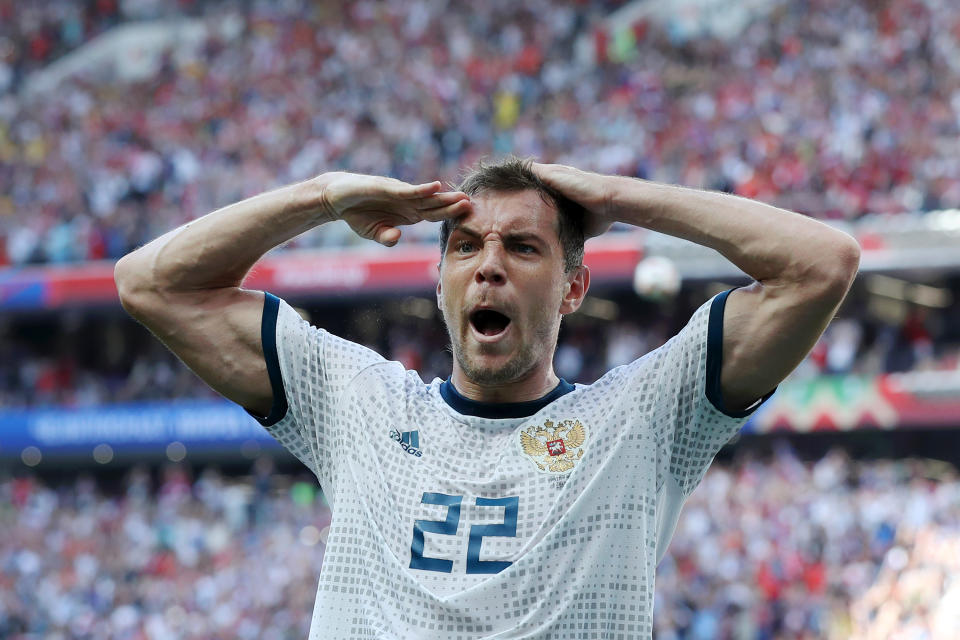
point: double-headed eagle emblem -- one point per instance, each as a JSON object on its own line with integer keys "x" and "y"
{"x": 554, "y": 447}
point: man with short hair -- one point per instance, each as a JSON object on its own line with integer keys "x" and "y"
{"x": 502, "y": 502}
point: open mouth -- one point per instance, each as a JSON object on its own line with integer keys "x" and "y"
{"x": 488, "y": 322}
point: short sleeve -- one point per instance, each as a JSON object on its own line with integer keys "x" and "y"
{"x": 690, "y": 422}
{"x": 693, "y": 422}
{"x": 309, "y": 369}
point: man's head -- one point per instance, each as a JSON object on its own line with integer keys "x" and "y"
{"x": 514, "y": 174}
{"x": 510, "y": 269}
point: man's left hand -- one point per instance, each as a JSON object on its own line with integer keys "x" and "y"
{"x": 592, "y": 191}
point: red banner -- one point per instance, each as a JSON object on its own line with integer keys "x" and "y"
{"x": 300, "y": 273}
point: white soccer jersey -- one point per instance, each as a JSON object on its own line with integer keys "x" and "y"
{"x": 456, "y": 519}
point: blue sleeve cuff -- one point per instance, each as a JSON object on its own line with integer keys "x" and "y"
{"x": 268, "y": 338}
{"x": 715, "y": 361}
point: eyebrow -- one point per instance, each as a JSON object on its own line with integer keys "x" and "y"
{"x": 515, "y": 236}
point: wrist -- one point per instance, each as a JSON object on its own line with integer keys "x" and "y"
{"x": 632, "y": 200}
{"x": 315, "y": 195}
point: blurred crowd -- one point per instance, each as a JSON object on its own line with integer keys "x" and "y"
{"x": 77, "y": 360}
{"x": 832, "y": 109}
{"x": 837, "y": 549}
{"x": 199, "y": 558}
{"x": 104, "y": 363}
{"x": 33, "y": 36}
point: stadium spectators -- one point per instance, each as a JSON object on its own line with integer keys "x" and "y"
{"x": 836, "y": 549}
{"x": 35, "y": 35}
{"x": 202, "y": 559}
{"x": 32, "y": 36}
{"x": 832, "y": 109}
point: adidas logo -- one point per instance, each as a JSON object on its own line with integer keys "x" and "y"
{"x": 409, "y": 441}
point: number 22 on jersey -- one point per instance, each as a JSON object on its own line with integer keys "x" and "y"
{"x": 448, "y": 526}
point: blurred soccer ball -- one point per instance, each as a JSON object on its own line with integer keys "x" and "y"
{"x": 656, "y": 278}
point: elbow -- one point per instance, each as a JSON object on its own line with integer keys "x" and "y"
{"x": 133, "y": 287}
{"x": 840, "y": 265}
{"x": 848, "y": 260}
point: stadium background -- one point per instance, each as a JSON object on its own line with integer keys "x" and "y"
{"x": 136, "y": 504}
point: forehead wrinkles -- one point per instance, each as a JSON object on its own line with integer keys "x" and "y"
{"x": 521, "y": 212}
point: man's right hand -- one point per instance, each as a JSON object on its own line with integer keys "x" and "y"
{"x": 375, "y": 206}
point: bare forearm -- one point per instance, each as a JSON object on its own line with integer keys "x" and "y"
{"x": 219, "y": 249}
{"x": 767, "y": 243}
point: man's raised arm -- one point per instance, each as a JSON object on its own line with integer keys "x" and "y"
{"x": 185, "y": 285}
{"x": 802, "y": 267}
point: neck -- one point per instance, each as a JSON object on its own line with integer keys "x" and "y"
{"x": 532, "y": 386}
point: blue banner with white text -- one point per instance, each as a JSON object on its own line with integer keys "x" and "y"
{"x": 130, "y": 427}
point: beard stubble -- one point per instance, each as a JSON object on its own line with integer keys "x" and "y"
{"x": 519, "y": 364}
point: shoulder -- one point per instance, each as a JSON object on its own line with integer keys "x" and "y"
{"x": 388, "y": 378}
{"x": 620, "y": 385}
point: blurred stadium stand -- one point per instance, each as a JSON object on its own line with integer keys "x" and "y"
{"x": 135, "y": 503}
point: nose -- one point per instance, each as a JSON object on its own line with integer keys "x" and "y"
{"x": 490, "y": 269}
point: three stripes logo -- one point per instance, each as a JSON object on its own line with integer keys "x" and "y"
{"x": 409, "y": 441}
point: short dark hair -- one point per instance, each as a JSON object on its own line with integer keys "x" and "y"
{"x": 514, "y": 174}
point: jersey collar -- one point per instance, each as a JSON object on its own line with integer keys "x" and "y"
{"x": 495, "y": 410}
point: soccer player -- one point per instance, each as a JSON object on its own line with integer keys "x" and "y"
{"x": 502, "y": 502}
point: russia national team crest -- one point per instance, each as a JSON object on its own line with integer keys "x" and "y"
{"x": 554, "y": 447}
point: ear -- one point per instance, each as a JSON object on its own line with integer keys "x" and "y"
{"x": 575, "y": 289}
{"x": 439, "y": 291}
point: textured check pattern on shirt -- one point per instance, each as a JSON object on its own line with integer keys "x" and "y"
{"x": 476, "y": 537}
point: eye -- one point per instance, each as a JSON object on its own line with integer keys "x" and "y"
{"x": 526, "y": 248}
{"x": 464, "y": 246}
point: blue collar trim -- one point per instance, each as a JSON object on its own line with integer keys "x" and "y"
{"x": 468, "y": 407}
